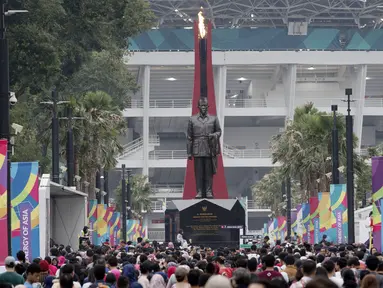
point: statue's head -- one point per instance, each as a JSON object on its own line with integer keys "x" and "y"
{"x": 203, "y": 105}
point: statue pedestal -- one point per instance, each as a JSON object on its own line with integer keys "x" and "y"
{"x": 208, "y": 222}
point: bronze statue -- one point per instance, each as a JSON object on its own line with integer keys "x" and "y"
{"x": 203, "y": 144}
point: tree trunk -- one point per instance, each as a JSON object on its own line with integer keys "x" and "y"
{"x": 92, "y": 183}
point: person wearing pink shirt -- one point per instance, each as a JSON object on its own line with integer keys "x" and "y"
{"x": 112, "y": 266}
{"x": 52, "y": 268}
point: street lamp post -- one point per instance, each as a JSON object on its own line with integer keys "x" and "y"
{"x": 70, "y": 149}
{"x": 55, "y": 136}
{"x": 288, "y": 206}
{"x": 350, "y": 169}
{"x": 4, "y": 107}
{"x": 4, "y": 112}
{"x": 106, "y": 187}
{"x": 123, "y": 203}
{"x": 55, "y": 140}
{"x": 335, "y": 147}
{"x": 129, "y": 195}
{"x": 98, "y": 186}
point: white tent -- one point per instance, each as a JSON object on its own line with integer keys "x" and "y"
{"x": 63, "y": 214}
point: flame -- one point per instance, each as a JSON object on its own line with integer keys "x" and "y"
{"x": 201, "y": 25}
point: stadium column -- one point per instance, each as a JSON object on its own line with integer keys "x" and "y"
{"x": 289, "y": 84}
{"x": 359, "y": 92}
{"x": 221, "y": 77}
{"x": 145, "y": 130}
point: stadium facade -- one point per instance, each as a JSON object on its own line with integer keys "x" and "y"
{"x": 261, "y": 76}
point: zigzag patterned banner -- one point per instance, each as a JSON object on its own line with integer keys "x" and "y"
{"x": 306, "y": 222}
{"x": 102, "y": 225}
{"x": 377, "y": 190}
{"x": 134, "y": 230}
{"x": 92, "y": 220}
{"x": 3, "y": 200}
{"x": 314, "y": 220}
{"x": 25, "y": 209}
{"x": 325, "y": 217}
{"x": 339, "y": 218}
{"x": 270, "y": 228}
{"x": 299, "y": 228}
{"x": 106, "y": 223}
{"x": 282, "y": 228}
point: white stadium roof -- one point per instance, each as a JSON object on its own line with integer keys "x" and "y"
{"x": 270, "y": 13}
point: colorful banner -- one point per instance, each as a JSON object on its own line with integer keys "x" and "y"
{"x": 282, "y": 227}
{"x": 381, "y": 219}
{"x": 111, "y": 226}
{"x": 306, "y": 222}
{"x": 102, "y": 225}
{"x": 108, "y": 219}
{"x": 115, "y": 228}
{"x": 25, "y": 209}
{"x": 377, "y": 190}
{"x": 265, "y": 230}
{"x": 325, "y": 223}
{"x": 339, "y": 226}
{"x": 276, "y": 229}
{"x": 135, "y": 230}
{"x": 299, "y": 227}
{"x": 107, "y": 224}
{"x": 92, "y": 220}
{"x": 3, "y": 200}
{"x": 314, "y": 220}
{"x": 339, "y": 212}
{"x": 271, "y": 229}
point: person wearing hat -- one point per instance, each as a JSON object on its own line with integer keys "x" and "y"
{"x": 44, "y": 267}
{"x": 10, "y": 276}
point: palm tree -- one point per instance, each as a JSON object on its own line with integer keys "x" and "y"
{"x": 141, "y": 191}
{"x": 268, "y": 192}
{"x": 304, "y": 149}
{"x": 96, "y": 136}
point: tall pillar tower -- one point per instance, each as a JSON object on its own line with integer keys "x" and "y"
{"x": 219, "y": 180}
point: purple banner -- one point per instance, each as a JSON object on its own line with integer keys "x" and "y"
{"x": 339, "y": 226}
{"x": 115, "y": 236}
{"x": 307, "y": 227}
{"x": 25, "y": 229}
{"x": 377, "y": 190}
{"x": 316, "y": 230}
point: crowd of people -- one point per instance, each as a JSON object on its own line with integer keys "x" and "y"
{"x": 164, "y": 265}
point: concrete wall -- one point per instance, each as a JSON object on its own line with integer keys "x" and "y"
{"x": 369, "y": 136}
{"x": 250, "y": 136}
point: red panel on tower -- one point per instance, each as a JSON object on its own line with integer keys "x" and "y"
{"x": 219, "y": 180}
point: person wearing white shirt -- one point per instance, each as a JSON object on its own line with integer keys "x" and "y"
{"x": 309, "y": 270}
{"x": 330, "y": 268}
{"x": 366, "y": 230}
{"x": 180, "y": 239}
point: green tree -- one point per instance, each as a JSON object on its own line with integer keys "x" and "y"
{"x": 78, "y": 47}
{"x": 26, "y": 143}
{"x": 104, "y": 71}
{"x": 304, "y": 152}
{"x": 304, "y": 149}
{"x": 97, "y": 135}
{"x": 141, "y": 191}
{"x": 268, "y": 192}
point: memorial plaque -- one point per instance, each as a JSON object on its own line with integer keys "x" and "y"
{"x": 247, "y": 237}
{"x": 211, "y": 222}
